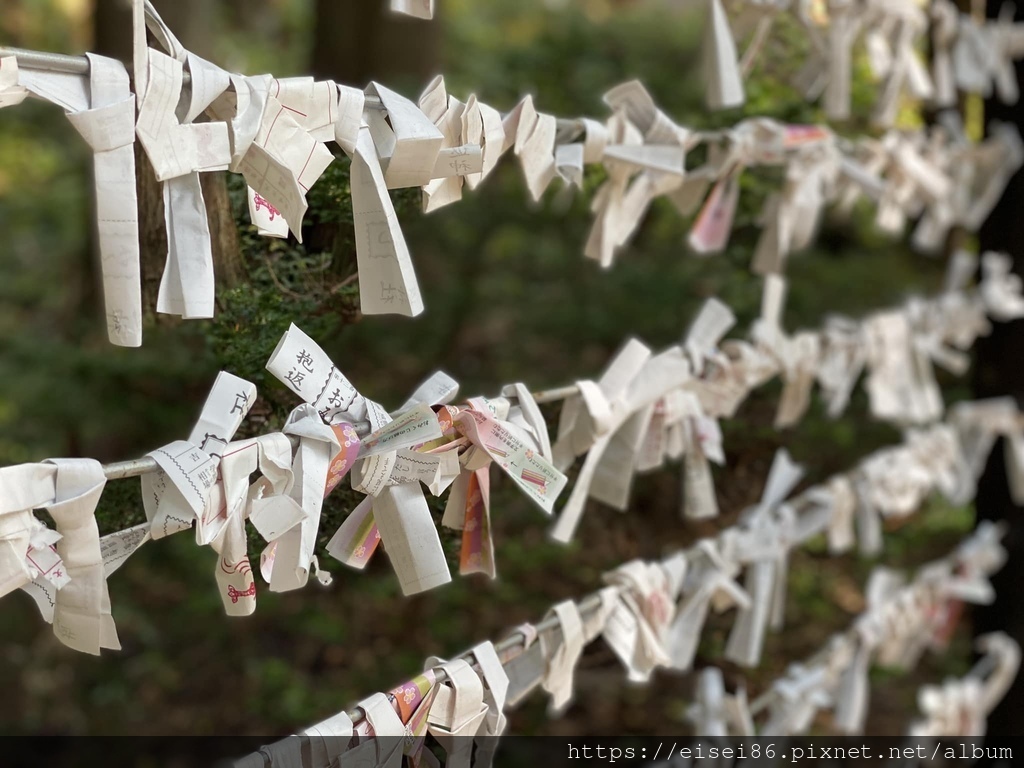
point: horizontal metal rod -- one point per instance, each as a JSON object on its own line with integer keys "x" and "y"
{"x": 554, "y": 395}
{"x": 121, "y": 470}
{"x": 79, "y": 65}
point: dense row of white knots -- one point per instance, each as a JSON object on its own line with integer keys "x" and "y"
{"x": 637, "y": 616}
{"x": 275, "y": 132}
{"x": 968, "y": 55}
{"x": 645, "y": 410}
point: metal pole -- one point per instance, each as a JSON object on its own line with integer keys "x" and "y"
{"x": 121, "y": 470}
{"x": 79, "y": 65}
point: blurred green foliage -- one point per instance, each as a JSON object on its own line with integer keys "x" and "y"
{"x": 509, "y": 297}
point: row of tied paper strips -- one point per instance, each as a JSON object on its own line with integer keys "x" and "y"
{"x": 646, "y": 408}
{"x": 895, "y": 632}
{"x": 275, "y": 133}
{"x": 967, "y": 55}
{"x": 648, "y": 610}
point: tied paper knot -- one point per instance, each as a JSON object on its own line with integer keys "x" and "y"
{"x": 290, "y": 521}
{"x": 939, "y": 451}
{"x": 195, "y": 486}
{"x": 63, "y": 569}
{"x": 178, "y": 150}
{"x": 798, "y": 358}
{"x": 101, "y": 109}
{"x": 589, "y": 419}
{"x": 457, "y": 158}
{"x": 896, "y": 480}
{"x": 382, "y": 735}
{"x": 644, "y": 153}
{"x": 710, "y": 583}
{"x": 633, "y": 383}
{"x": 978, "y": 557}
{"x": 790, "y": 217}
{"x": 637, "y": 628}
{"x": 724, "y": 387}
{"x": 445, "y": 712}
{"x": 329, "y": 739}
{"x": 394, "y": 509}
{"x": 271, "y": 456}
{"x": 458, "y": 711}
{"x": 900, "y": 384}
{"x": 81, "y": 613}
{"x": 893, "y": 29}
{"x": 511, "y": 432}
{"x": 714, "y": 320}
{"x": 851, "y": 706}
{"x": 764, "y": 546}
{"x": 795, "y": 700}
{"x": 961, "y": 707}
{"x": 980, "y": 423}
{"x": 759, "y": 141}
{"x": 182, "y": 491}
{"x": 841, "y": 363}
{"x": 562, "y": 648}
{"x": 279, "y": 130}
{"x": 715, "y": 713}
{"x": 27, "y": 551}
{"x": 387, "y": 281}
{"x": 678, "y": 425}
{"x": 1000, "y": 288}
{"x": 984, "y": 54}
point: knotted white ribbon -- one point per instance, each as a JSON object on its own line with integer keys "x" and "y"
{"x": 399, "y": 511}
{"x": 714, "y": 712}
{"x": 179, "y": 151}
{"x": 710, "y": 583}
{"x": 181, "y": 493}
{"x": 562, "y": 649}
{"x": 851, "y": 706}
{"x": 458, "y": 711}
{"x": 796, "y": 699}
{"x": 329, "y": 739}
{"x": 101, "y": 108}
{"x": 457, "y": 158}
{"x": 765, "y": 545}
{"x": 26, "y": 549}
{"x": 80, "y": 611}
{"x": 637, "y": 628}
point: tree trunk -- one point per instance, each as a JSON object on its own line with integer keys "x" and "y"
{"x": 152, "y": 230}
{"x": 356, "y": 42}
{"x": 192, "y": 22}
{"x": 999, "y": 372}
{"x": 228, "y": 265}
{"x": 112, "y": 29}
